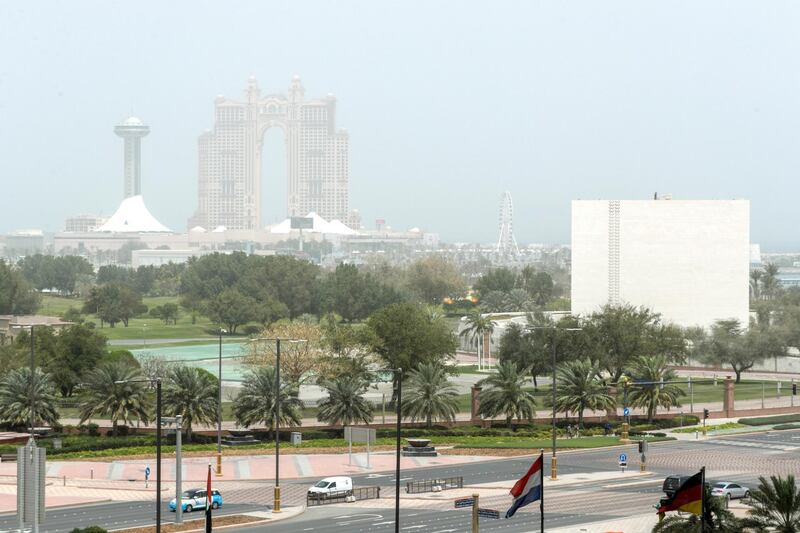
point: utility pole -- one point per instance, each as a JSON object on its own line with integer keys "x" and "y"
{"x": 475, "y": 526}
{"x": 219, "y": 408}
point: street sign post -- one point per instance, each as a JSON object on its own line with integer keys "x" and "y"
{"x": 489, "y": 513}
{"x": 146, "y": 476}
{"x": 626, "y": 411}
{"x": 623, "y": 461}
{"x": 356, "y": 434}
{"x": 464, "y": 502}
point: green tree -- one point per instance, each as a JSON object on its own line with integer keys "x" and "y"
{"x": 729, "y": 344}
{"x": 429, "y": 395}
{"x": 166, "y": 313}
{"x": 113, "y": 390}
{"x": 755, "y": 284}
{"x": 541, "y": 288}
{"x": 345, "y": 403}
{"x": 433, "y": 278}
{"x": 192, "y": 393}
{"x": 520, "y": 347}
{"x": 114, "y": 303}
{"x": 345, "y": 350}
{"x": 256, "y": 401}
{"x": 17, "y": 296}
{"x": 775, "y": 505}
{"x": 232, "y": 309}
{"x": 354, "y": 295}
{"x": 504, "y": 393}
{"x": 580, "y": 388}
{"x": 74, "y": 352}
{"x": 15, "y": 398}
{"x": 654, "y": 368}
{"x": 404, "y": 336}
{"x": 616, "y": 335}
{"x": 497, "y": 279}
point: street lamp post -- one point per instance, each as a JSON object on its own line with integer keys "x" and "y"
{"x": 219, "y": 408}
{"x": 33, "y": 383}
{"x": 398, "y": 374}
{"x": 555, "y": 329}
{"x": 157, "y": 383}
{"x": 276, "y": 508}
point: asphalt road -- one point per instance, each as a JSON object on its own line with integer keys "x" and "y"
{"x": 731, "y": 458}
{"x": 115, "y": 515}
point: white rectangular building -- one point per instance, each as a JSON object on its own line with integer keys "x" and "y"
{"x": 686, "y": 259}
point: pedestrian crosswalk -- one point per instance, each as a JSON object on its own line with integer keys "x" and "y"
{"x": 754, "y": 444}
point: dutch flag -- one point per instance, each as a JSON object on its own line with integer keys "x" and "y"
{"x": 528, "y": 489}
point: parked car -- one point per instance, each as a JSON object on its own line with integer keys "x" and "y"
{"x": 196, "y": 499}
{"x": 731, "y": 491}
{"x": 332, "y": 487}
{"x": 673, "y": 483}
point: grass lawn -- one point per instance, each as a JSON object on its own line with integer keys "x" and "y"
{"x": 58, "y": 305}
{"x": 528, "y": 443}
{"x": 473, "y": 442}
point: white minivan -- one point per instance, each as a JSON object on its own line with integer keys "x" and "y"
{"x": 332, "y": 487}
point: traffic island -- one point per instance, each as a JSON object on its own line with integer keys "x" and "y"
{"x": 228, "y": 521}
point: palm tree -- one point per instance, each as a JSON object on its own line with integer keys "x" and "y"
{"x": 192, "y": 393}
{"x": 716, "y": 517}
{"x": 755, "y": 283}
{"x": 504, "y": 393}
{"x": 580, "y": 388}
{"x": 345, "y": 403}
{"x": 15, "y": 398}
{"x": 430, "y": 395}
{"x": 775, "y": 505}
{"x": 477, "y": 327}
{"x": 770, "y": 285}
{"x": 105, "y": 395}
{"x": 257, "y": 400}
{"x": 518, "y": 300}
{"x": 651, "y": 397}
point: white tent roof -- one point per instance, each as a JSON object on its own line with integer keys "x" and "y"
{"x": 319, "y": 225}
{"x": 132, "y": 216}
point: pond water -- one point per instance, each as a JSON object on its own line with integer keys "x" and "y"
{"x": 204, "y": 356}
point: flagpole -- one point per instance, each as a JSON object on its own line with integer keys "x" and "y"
{"x": 703, "y": 499}
{"x": 541, "y": 500}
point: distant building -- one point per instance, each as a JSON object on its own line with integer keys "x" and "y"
{"x": 24, "y": 242}
{"x": 132, "y": 130}
{"x": 82, "y": 223}
{"x": 13, "y": 325}
{"x": 318, "y": 159}
{"x": 686, "y": 259}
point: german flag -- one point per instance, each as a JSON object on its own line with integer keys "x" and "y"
{"x": 689, "y": 497}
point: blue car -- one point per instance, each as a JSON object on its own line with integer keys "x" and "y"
{"x": 196, "y": 499}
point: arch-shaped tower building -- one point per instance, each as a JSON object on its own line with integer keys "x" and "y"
{"x": 318, "y": 158}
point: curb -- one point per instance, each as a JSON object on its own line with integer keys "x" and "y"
{"x": 229, "y": 526}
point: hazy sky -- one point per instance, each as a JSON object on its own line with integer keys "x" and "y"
{"x": 447, "y": 104}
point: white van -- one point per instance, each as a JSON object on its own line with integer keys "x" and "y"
{"x": 332, "y": 487}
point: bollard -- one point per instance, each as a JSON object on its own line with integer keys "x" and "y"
{"x": 91, "y": 473}
{"x": 65, "y": 481}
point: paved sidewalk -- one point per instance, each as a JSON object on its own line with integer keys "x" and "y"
{"x": 244, "y": 467}
{"x": 632, "y": 524}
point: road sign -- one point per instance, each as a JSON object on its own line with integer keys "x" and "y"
{"x": 356, "y": 434}
{"x": 464, "y": 502}
{"x": 623, "y": 458}
{"x": 626, "y": 411}
{"x": 488, "y": 513}
{"x": 147, "y": 472}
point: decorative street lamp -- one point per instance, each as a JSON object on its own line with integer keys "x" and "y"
{"x": 219, "y": 407}
{"x": 554, "y": 342}
{"x": 157, "y": 384}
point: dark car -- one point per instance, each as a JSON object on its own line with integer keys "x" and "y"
{"x": 673, "y": 483}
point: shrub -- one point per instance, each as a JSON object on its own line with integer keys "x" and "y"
{"x": 781, "y": 427}
{"x": 90, "y": 529}
{"x": 122, "y": 431}
{"x": 767, "y": 420}
{"x": 93, "y": 430}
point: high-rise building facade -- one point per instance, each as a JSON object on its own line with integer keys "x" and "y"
{"x": 318, "y": 167}
{"x": 132, "y": 130}
{"x": 686, "y": 259}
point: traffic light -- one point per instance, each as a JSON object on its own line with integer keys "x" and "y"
{"x": 794, "y": 389}
{"x": 705, "y": 414}
{"x": 641, "y": 446}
